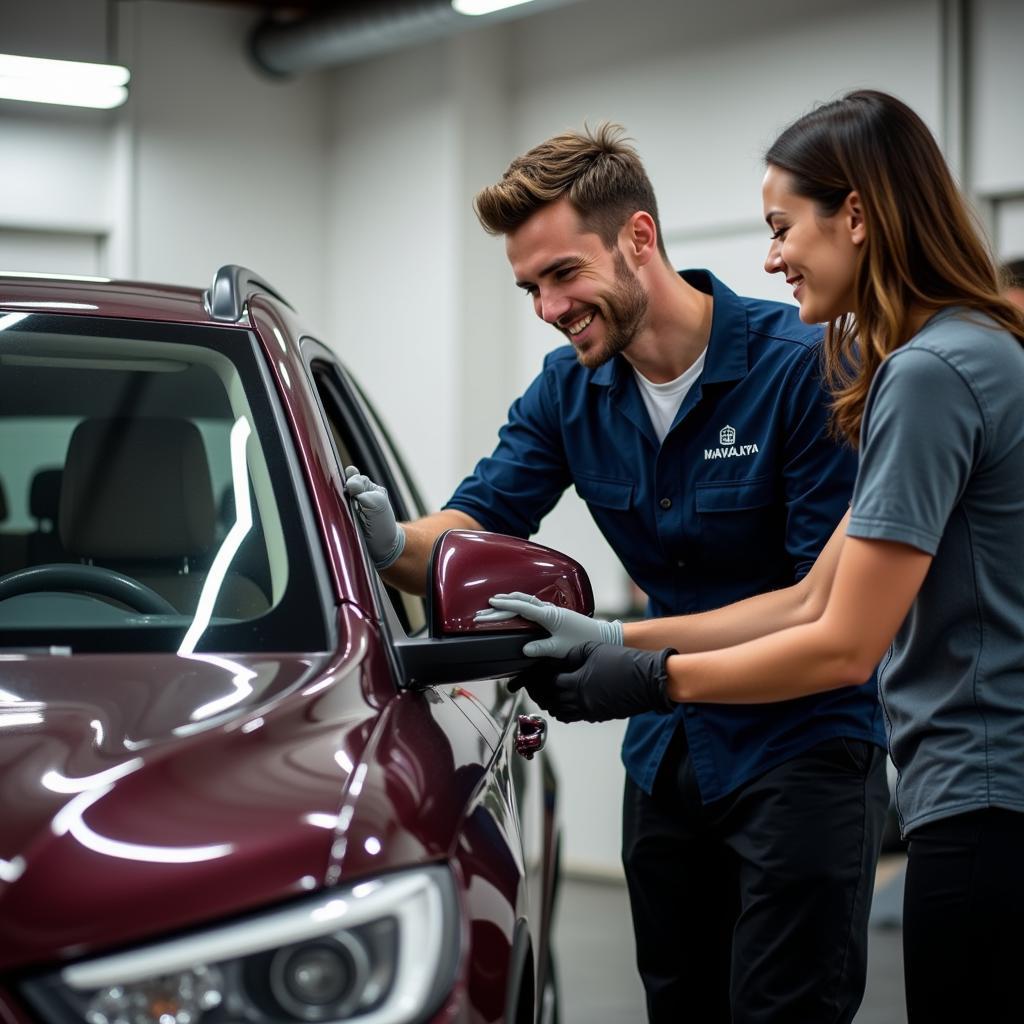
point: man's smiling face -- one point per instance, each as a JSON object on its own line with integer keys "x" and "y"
{"x": 578, "y": 285}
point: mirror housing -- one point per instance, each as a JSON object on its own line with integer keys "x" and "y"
{"x": 466, "y": 568}
{"x": 469, "y": 566}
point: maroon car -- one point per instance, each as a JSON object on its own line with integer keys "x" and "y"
{"x": 240, "y": 779}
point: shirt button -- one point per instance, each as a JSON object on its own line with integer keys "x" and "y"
{"x": 680, "y": 564}
{"x": 665, "y": 503}
{"x": 691, "y": 710}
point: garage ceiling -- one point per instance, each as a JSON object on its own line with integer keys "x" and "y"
{"x": 295, "y": 36}
{"x": 285, "y": 6}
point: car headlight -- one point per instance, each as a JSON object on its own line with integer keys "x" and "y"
{"x": 381, "y": 952}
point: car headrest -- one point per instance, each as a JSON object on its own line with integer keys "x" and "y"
{"x": 44, "y": 495}
{"x": 136, "y": 489}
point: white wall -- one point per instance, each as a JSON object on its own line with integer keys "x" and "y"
{"x": 995, "y": 124}
{"x": 393, "y": 228}
{"x": 229, "y": 166}
{"x": 61, "y": 29}
{"x": 55, "y": 170}
{"x": 418, "y": 297}
{"x": 61, "y": 174}
{"x": 56, "y": 165}
{"x": 209, "y": 162}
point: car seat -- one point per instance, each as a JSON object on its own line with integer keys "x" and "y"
{"x": 44, "y": 544}
{"x": 12, "y": 545}
{"x": 136, "y": 497}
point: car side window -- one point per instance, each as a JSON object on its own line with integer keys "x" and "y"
{"x": 359, "y": 440}
{"x": 407, "y": 489}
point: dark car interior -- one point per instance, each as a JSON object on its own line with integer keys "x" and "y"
{"x": 135, "y": 489}
{"x": 133, "y": 492}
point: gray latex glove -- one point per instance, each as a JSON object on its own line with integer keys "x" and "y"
{"x": 384, "y": 537}
{"x": 568, "y": 629}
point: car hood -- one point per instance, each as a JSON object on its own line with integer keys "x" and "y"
{"x": 141, "y": 794}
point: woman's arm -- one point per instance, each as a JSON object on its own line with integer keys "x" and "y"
{"x": 706, "y": 631}
{"x": 865, "y": 588}
{"x": 873, "y": 584}
{"x": 745, "y": 620}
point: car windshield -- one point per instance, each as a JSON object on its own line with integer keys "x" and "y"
{"x": 146, "y": 502}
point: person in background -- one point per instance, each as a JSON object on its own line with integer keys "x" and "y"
{"x": 1013, "y": 276}
{"x": 693, "y": 424}
{"x": 925, "y": 358}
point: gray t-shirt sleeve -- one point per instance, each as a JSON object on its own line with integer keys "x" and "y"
{"x": 922, "y": 433}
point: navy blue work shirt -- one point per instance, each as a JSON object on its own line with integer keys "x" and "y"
{"x": 738, "y": 499}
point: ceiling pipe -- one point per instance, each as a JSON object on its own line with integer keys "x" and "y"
{"x": 366, "y": 28}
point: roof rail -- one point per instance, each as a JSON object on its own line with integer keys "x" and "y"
{"x": 232, "y": 285}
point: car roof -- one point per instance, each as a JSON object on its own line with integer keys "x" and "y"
{"x": 98, "y": 296}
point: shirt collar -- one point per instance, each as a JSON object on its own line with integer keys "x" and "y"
{"x": 726, "y": 358}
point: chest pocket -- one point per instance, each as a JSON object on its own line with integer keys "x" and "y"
{"x": 740, "y": 519}
{"x": 605, "y": 492}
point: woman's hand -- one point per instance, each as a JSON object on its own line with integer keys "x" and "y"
{"x": 568, "y": 629}
{"x": 598, "y": 682}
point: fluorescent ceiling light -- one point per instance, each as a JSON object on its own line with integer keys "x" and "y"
{"x": 67, "y": 82}
{"x": 475, "y": 7}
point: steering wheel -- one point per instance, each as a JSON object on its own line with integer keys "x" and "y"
{"x": 92, "y": 579}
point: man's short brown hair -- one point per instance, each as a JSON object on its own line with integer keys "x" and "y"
{"x": 598, "y": 172}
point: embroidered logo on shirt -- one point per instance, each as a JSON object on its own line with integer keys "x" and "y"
{"x": 728, "y": 449}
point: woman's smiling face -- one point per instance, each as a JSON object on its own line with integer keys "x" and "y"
{"x": 817, "y": 254}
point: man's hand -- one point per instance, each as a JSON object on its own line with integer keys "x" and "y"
{"x": 598, "y": 682}
{"x": 384, "y": 537}
{"x": 568, "y": 629}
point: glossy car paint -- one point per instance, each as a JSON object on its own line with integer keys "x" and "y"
{"x": 133, "y": 781}
{"x": 468, "y": 567}
{"x": 131, "y": 300}
{"x": 279, "y": 330}
{"x": 309, "y": 771}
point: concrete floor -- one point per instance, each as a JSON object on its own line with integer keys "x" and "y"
{"x": 597, "y": 974}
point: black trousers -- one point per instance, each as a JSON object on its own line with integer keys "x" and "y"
{"x": 963, "y": 920}
{"x": 754, "y": 908}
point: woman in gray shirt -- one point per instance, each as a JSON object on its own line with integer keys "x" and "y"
{"x": 926, "y": 365}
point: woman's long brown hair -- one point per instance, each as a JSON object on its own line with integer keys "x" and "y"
{"x": 923, "y": 249}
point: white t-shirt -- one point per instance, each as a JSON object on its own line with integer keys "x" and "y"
{"x": 663, "y": 400}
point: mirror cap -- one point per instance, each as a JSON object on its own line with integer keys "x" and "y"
{"x": 469, "y": 566}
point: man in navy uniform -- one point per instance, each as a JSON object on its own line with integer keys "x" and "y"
{"x": 693, "y": 424}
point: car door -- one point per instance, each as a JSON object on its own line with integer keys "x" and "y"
{"x": 360, "y": 439}
{"x": 528, "y": 785}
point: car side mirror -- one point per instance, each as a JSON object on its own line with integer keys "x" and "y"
{"x": 469, "y": 566}
{"x": 466, "y": 568}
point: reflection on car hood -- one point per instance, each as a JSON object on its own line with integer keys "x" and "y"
{"x": 191, "y": 787}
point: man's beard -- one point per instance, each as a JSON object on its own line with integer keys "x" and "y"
{"x": 624, "y": 311}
